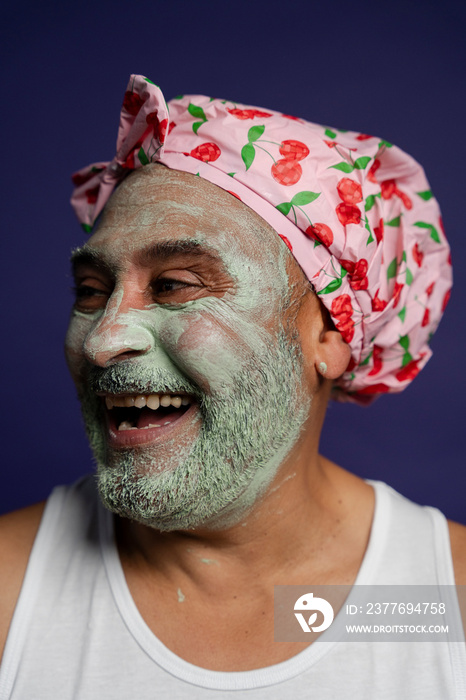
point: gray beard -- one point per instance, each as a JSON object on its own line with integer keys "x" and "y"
{"x": 246, "y": 433}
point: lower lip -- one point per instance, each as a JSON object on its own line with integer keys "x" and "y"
{"x": 132, "y": 438}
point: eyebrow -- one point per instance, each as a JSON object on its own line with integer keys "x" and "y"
{"x": 86, "y": 255}
{"x": 169, "y": 249}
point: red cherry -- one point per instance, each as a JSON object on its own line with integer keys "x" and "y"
{"x": 425, "y": 318}
{"x": 408, "y": 372}
{"x": 376, "y": 361}
{"x": 242, "y": 113}
{"x": 404, "y": 198}
{"x": 349, "y": 191}
{"x": 321, "y": 233}
{"x": 207, "y": 152}
{"x": 442, "y": 227}
{"x": 363, "y": 137}
{"x": 91, "y": 195}
{"x": 372, "y": 170}
{"x": 357, "y": 272}
{"x": 348, "y": 214}
{"x": 286, "y": 172}
{"x": 132, "y": 102}
{"x": 330, "y": 144}
{"x": 260, "y": 113}
{"x": 418, "y": 255}
{"x": 387, "y": 189}
{"x": 286, "y": 241}
{"x": 288, "y": 116}
{"x": 341, "y": 311}
{"x": 378, "y": 304}
{"x": 430, "y": 289}
{"x": 396, "y": 293}
{"x": 235, "y": 195}
{"x": 446, "y": 299}
{"x": 293, "y": 150}
{"x": 378, "y": 231}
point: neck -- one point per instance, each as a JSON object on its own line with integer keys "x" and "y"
{"x": 296, "y": 530}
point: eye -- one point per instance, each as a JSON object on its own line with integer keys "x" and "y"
{"x": 177, "y": 291}
{"x": 165, "y": 286}
{"x": 90, "y": 295}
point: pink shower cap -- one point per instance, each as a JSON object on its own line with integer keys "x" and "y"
{"x": 356, "y": 212}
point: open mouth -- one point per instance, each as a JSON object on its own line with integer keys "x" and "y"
{"x": 144, "y": 416}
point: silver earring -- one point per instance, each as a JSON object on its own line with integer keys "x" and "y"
{"x": 322, "y": 368}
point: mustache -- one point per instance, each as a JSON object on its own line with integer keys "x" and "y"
{"x": 128, "y": 378}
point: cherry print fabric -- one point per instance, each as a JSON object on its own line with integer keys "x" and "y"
{"x": 356, "y": 212}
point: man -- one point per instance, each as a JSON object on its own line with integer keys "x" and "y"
{"x": 204, "y": 348}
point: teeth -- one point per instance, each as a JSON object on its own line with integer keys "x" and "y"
{"x": 126, "y": 425}
{"x": 153, "y": 402}
{"x": 119, "y": 401}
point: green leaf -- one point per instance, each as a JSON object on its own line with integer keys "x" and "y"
{"x": 407, "y": 357}
{"x": 305, "y": 197}
{"x": 284, "y": 208}
{"x": 402, "y": 314}
{"x": 86, "y": 228}
{"x": 344, "y": 167}
{"x": 197, "y": 112}
{"x": 409, "y": 276}
{"x": 143, "y": 159}
{"x": 360, "y": 163}
{"x": 370, "y": 239}
{"x": 425, "y": 195}
{"x": 433, "y": 231}
{"x": 231, "y": 174}
{"x": 364, "y": 362}
{"x": 404, "y": 342}
{"x": 403, "y": 257}
{"x": 149, "y": 81}
{"x": 248, "y": 154}
{"x": 369, "y": 203}
{"x": 387, "y": 144}
{"x": 197, "y": 125}
{"x": 392, "y": 268}
{"x": 332, "y": 287}
{"x": 331, "y": 134}
{"x": 255, "y": 132}
{"x": 393, "y": 222}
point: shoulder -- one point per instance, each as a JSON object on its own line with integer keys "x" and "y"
{"x": 17, "y": 533}
{"x": 458, "y": 551}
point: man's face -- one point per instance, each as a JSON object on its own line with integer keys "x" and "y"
{"x": 189, "y": 374}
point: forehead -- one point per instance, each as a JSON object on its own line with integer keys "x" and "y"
{"x": 155, "y": 204}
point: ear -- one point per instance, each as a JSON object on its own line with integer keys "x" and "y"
{"x": 332, "y": 354}
{"x": 323, "y": 346}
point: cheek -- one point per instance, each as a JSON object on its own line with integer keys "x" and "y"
{"x": 78, "y": 329}
{"x": 212, "y": 354}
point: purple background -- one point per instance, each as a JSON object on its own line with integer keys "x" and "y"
{"x": 394, "y": 69}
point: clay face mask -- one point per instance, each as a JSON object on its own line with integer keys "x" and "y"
{"x": 232, "y": 354}
{"x": 247, "y": 430}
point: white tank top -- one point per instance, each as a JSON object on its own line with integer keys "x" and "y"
{"x": 77, "y": 634}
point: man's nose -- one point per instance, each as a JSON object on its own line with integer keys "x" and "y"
{"x": 119, "y": 335}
